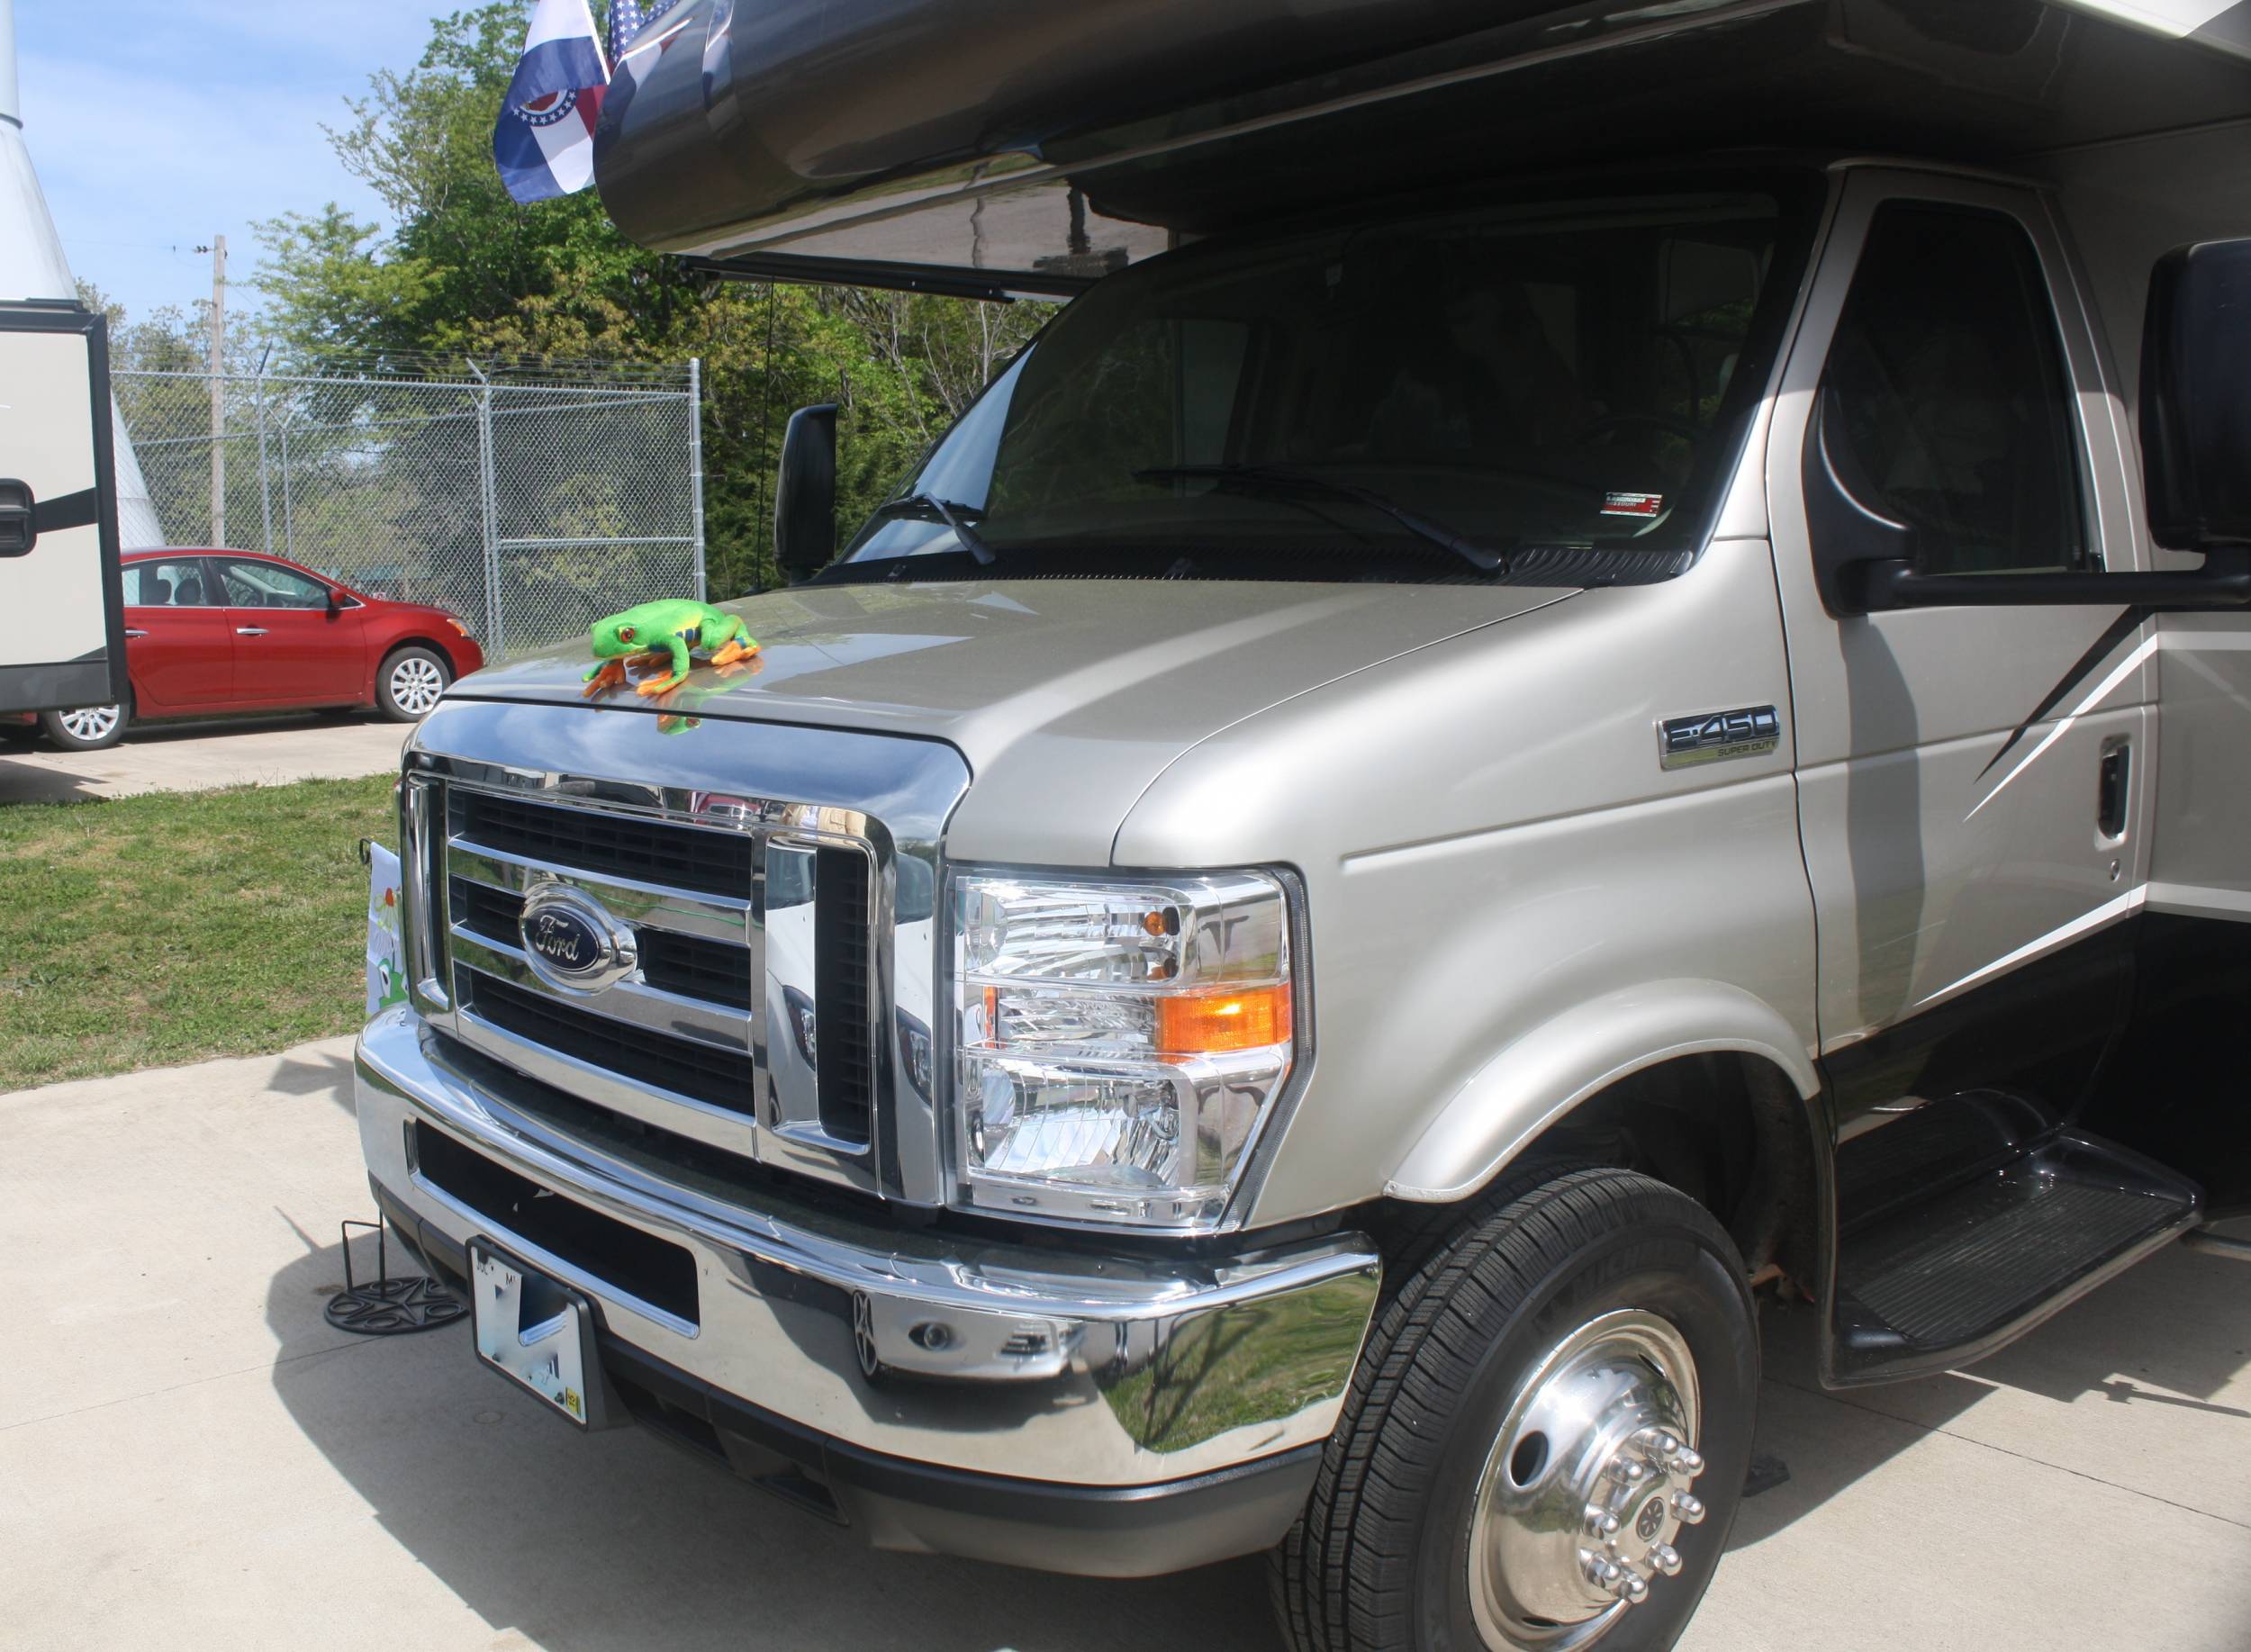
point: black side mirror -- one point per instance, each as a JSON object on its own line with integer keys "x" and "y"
{"x": 19, "y": 528}
{"x": 805, "y": 494}
{"x": 2196, "y": 397}
{"x": 336, "y": 598}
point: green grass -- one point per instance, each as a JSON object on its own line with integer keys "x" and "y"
{"x": 138, "y": 931}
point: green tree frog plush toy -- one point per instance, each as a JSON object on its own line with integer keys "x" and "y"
{"x": 671, "y": 633}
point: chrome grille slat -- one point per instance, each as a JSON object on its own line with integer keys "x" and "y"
{"x": 665, "y": 1109}
{"x": 712, "y": 917}
{"x": 632, "y": 1002}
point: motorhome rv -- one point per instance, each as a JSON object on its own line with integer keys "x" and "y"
{"x": 1600, "y": 664}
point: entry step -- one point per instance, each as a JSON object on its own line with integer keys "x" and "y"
{"x": 1947, "y": 1278}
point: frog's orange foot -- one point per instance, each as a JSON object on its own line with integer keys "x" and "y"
{"x": 733, "y": 650}
{"x": 658, "y": 685}
{"x": 611, "y": 675}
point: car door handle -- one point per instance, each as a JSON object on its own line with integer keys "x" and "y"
{"x": 249, "y": 630}
{"x": 135, "y": 631}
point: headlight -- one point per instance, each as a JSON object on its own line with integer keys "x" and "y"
{"x": 1119, "y": 1042}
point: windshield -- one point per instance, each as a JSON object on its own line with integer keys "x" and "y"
{"x": 1389, "y": 402}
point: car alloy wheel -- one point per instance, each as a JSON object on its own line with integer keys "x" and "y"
{"x": 415, "y": 682}
{"x": 93, "y": 725}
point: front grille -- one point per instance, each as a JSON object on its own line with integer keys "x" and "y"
{"x": 710, "y": 862}
{"x": 737, "y": 934}
{"x": 685, "y": 1067}
{"x": 842, "y": 990}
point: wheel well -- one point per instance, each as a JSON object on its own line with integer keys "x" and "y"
{"x": 1729, "y": 1130}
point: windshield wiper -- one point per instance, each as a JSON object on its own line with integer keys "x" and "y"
{"x": 1281, "y": 479}
{"x": 948, "y": 512}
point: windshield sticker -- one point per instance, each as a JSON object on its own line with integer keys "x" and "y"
{"x": 1644, "y": 505}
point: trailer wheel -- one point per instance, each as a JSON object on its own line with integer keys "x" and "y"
{"x": 1545, "y": 1444}
{"x": 86, "y": 728}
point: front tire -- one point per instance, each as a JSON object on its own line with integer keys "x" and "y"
{"x": 410, "y": 683}
{"x": 86, "y": 728}
{"x": 1513, "y": 1470}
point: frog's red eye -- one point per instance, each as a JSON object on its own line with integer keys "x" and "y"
{"x": 625, "y": 633}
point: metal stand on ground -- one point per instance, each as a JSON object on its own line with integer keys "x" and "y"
{"x": 384, "y": 1306}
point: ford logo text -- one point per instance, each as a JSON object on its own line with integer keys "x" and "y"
{"x": 571, "y": 942}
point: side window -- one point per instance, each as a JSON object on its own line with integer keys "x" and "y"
{"x": 167, "y": 585}
{"x": 265, "y": 585}
{"x": 1945, "y": 395}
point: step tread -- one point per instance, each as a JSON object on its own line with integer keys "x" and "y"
{"x": 1944, "y": 1272}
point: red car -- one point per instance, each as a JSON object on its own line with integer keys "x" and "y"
{"x": 209, "y": 631}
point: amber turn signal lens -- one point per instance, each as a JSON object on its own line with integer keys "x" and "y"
{"x": 1207, "y": 1023}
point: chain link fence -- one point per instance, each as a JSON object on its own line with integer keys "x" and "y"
{"x": 529, "y": 500}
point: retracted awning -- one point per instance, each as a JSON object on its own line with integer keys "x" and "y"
{"x": 1016, "y": 147}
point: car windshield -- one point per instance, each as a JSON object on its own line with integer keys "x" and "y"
{"x": 1419, "y": 400}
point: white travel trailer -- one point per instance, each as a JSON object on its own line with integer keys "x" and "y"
{"x": 61, "y": 622}
{"x": 61, "y": 628}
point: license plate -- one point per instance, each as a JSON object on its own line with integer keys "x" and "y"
{"x": 532, "y": 1331}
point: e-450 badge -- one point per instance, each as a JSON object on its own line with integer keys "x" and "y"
{"x": 1683, "y": 742}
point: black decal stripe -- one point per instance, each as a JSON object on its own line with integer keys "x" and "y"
{"x": 2121, "y": 628}
{"x": 79, "y": 509}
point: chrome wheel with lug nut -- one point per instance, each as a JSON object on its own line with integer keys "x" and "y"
{"x": 1587, "y": 1485}
{"x": 1545, "y": 1444}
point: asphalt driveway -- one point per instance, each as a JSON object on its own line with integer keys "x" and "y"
{"x": 194, "y": 756}
{"x": 191, "y": 1457}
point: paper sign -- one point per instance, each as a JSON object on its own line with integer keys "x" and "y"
{"x": 387, "y": 956}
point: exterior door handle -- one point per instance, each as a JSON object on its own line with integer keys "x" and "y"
{"x": 135, "y": 631}
{"x": 2111, "y": 792}
{"x": 249, "y": 630}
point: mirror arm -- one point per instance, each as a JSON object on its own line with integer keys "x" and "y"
{"x": 1879, "y": 585}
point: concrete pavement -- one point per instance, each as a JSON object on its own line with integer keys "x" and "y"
{"x": 195, "y": 756}
{"x": 190, "y": 1457}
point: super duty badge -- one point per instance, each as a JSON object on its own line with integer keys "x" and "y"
{"x": 1683, "y": 742}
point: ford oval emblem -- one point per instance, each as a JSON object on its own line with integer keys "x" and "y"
{"x": 571, "y": 942}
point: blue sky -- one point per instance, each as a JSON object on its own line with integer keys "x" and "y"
{"x": 155, "y": 122}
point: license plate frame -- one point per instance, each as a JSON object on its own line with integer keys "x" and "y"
{"x": 536, "y": 1332}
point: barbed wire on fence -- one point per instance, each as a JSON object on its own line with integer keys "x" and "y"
{"x": 528, "y": 497}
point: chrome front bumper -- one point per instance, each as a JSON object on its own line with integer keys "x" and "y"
{"x": 1121, "y": 1375}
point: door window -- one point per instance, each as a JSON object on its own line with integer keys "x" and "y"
{"x": 266, "y": 584}
{"x": 170, "y": 584}
{"x": 1945, "y": 398}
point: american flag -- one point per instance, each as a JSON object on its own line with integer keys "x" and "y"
{"x": 628, "y": 18}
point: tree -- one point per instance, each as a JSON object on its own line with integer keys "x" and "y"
{"x": 467, "y": 270}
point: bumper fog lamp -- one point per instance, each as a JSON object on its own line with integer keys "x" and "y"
{"x": 1119, "y": 1043}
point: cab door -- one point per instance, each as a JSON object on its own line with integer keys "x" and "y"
{"x": 179, "y": 644}
{"x": 290, "y": 646}
{"x": 1972, "y": 782}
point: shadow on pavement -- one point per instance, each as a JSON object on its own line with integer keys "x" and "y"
{"x": 618, "y": 1540}
{"x": 319, "y": 1073}
{"x": 40, "y": 783}
{"x": 2178, "y": 1323}
{"x": 587, "y": 1543}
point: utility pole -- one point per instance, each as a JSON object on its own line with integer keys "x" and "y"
{"x": 218, "y": 390}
